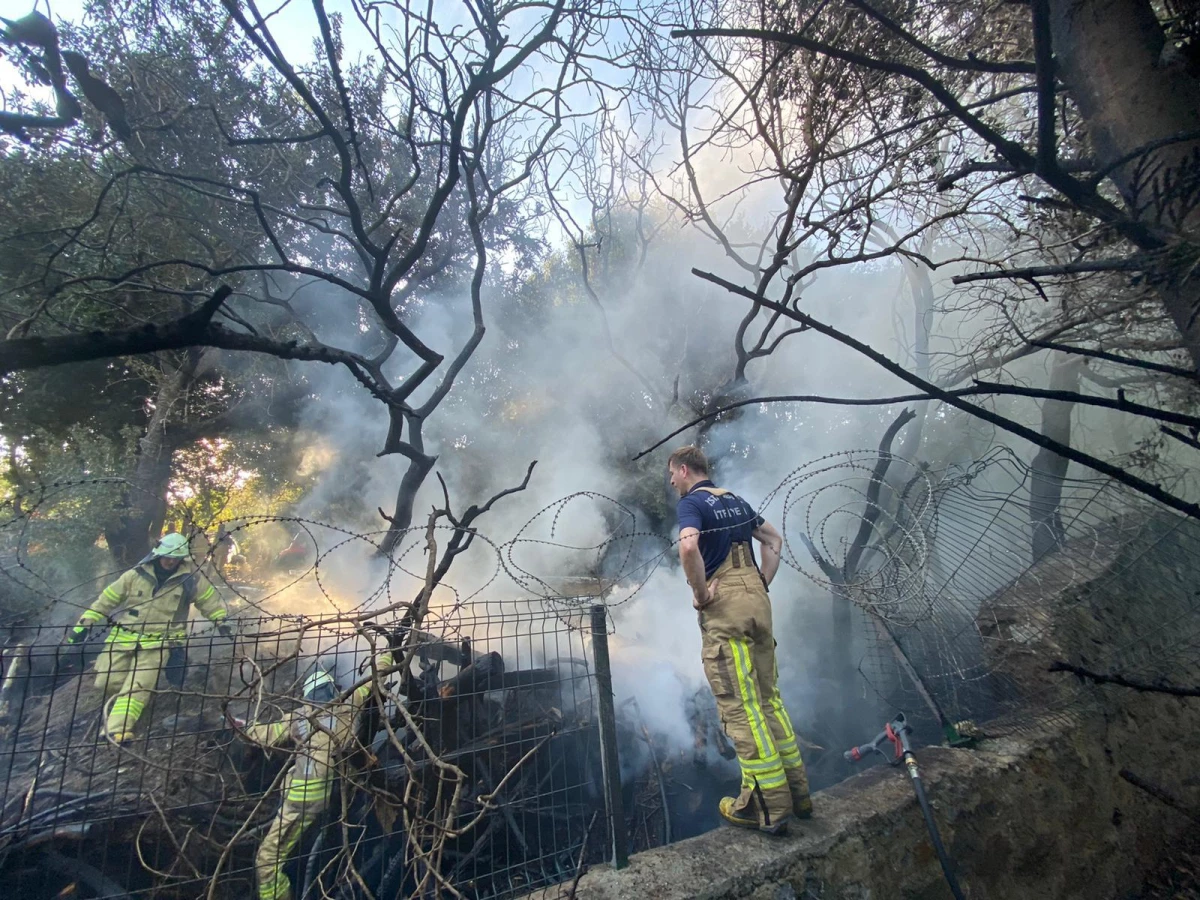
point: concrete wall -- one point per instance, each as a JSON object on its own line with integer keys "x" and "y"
{"x": 1043, "y": 816}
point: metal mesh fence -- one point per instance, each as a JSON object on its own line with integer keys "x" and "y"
{"x": 474, "y": 770}
{"x": 463, "y": 747}
{"x": 976, "y": 589}
{"x": 458, "y": 753}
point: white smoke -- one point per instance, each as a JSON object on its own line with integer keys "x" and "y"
{"x": 552, "y": 390}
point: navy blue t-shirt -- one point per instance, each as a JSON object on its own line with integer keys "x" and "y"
{"x": 721, "y": 521}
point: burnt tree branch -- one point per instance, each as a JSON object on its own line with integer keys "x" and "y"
{"x": 1161, "y": 795}
{"x": 193, "y": 330}
{"x": 982, "y": 389}
{"x": 1047, "y": 157}
{"x": 1129, "y": 264}
{"x": 1116, "y": 358}
{"x": 950, "y": 179}
{"x": 186, "y": 331}
{"x": 1137, "y": 409}
{"x": 1134, "y": 684}
{"x": 1146, "y": 488}
{"x": 872, "y": 510}
{"x": 1182, "y": 438}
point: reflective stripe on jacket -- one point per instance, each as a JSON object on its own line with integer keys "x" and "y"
{"x": 137, "y": 605}
{"x": 320, "y": 732}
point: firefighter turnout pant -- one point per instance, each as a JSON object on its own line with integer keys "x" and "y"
{"x": 127, "y": 672}
{"x": 303, "y": 803}
{"x": 739, "y": 661}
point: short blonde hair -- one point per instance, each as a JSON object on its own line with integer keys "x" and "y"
{"x": 692, "y": 457}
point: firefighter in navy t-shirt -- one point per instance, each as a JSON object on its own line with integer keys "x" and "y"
{"x": 730, "y": 592}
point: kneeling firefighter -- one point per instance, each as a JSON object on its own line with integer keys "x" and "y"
{"x": 149, "y": 607}
{"x": 324, "y": 730}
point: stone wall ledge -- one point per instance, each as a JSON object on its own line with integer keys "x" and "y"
{"x": 1045, "y": 815}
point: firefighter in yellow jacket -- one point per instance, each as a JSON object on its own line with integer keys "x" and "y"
{"x": 730, "y": 593}
{"x": 322, "y": 731}
{"x": 149, "y": 608}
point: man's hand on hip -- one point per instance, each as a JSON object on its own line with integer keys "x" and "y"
{"x": 703, "y": 597}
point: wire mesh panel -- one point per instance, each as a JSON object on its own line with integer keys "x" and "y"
{"x": 348, "y": 724}
{"x": 977, "y": 588}
{"x": 473, "y": 768}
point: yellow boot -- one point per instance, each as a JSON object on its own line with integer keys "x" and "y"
{"x": 802, "y": 806}
{"x": 748, "y": 818}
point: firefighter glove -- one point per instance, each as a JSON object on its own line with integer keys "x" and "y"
{"x": 225, "y": 630}
{"x": 77, "y": 635}
{"x": 396, "y": 638}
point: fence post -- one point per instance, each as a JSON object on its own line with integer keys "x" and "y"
{"x": 614, "y": 804}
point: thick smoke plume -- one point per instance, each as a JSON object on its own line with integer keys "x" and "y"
{"x": 551, "y": 389}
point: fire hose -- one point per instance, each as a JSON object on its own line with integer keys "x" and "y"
{"x": 897, "y": 734}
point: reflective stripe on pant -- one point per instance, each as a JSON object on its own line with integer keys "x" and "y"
{"x": 739, "y": 661}
{"x": 286, "y": 830}
{"x": 785, "y": 739}
{"x": 764, "y": 769}
{"x": 127, "y": 671}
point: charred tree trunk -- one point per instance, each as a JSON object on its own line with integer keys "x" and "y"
{"x": 420, "y": 465}
{"x": 1048, "y": 469}
{"x": 1143, "y": 115}
{"x": 843, "y": 637}
{"x": 921, "y": 286}
{"x": 406, "y": 497}
{"x": 841, "y": 659}
{"x": 134, "y": 526}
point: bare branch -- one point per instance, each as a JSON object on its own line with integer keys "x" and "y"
{"x": 1182, "y": 438}
{"x": 1140, "y": 485}
{"x": 1047, "y": 155}
{"x": 1083, "y": 196}
{"x": 965, "y": 65}
{"x": 1119, "y": 680}
{"x": 1189, "y": 374}
{"x": 1160, "y": 795}
{"x": 1137, "y": 409}
{"x": 982, "y": 389}
{"x": 1127, "y": 264}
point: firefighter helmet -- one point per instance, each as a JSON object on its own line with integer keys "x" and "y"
{"x": 319, "y": 687}
{"x": 173, "y": 546}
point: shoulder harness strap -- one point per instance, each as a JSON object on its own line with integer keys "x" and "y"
{"x": 186, "y": 597}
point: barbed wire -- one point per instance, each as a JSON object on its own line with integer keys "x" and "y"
{"x": 958, "y": 619}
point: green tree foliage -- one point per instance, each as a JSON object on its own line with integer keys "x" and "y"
{"x": 343, "y": 197}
